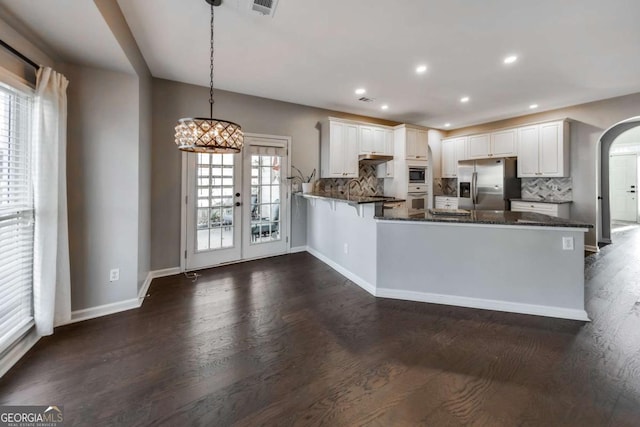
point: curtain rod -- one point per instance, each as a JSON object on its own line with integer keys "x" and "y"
{"x": 18, "y": 54}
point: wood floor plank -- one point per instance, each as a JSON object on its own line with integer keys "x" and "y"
{"x": 288, "y": 341}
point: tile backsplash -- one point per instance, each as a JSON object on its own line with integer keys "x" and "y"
{"x": 445, "y": 186}
{"x": 547, "y": 189}
{"x": 367, "y": 183}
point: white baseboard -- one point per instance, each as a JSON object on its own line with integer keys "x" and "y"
{"x": 591, "y": 248}
{"x": 511, "y": 307}
{"x": 165, "y": 272}
{"x": 104, "y": 310}
{"x": 297, "y": 249}
{"x": 142, "y": 293}
{"x": 18, "y": 351}
{"x": 348, "y": 274}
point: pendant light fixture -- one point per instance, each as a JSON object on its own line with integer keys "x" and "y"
{"x": 209, "y": 135}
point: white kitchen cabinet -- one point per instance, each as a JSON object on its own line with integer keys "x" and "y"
{"x": 339, "y": 150}
{"x": 385, "y": 170}
{"x": 446, "y": 202}
{"x": 503, "y": 143}
{"x": 453, "y": 150}
{"x": 375, "y": 140}
{"x": 417, "y": 144}
{"x": 560, "y": 210}
{"x": 496, "y": 144}
{"x": 543, "y": 150}
{"x": 479, "y": 146}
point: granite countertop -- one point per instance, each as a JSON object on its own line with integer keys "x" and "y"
{"x": 484, "y": 217}
{"x": 357, "y": 200}
{"x": 554, "y": 201}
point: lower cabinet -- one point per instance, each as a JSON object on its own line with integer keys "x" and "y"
{"x": 445, "y": 202}
{"x": 560, "y": 210}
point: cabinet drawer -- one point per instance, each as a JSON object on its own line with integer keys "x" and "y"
{"x": 417, "y": 188}
{"x": 543, "y": 208}
{"x": 443, "y": 202}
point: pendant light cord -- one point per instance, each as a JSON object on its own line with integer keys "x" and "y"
{"x": 211, "y": 69}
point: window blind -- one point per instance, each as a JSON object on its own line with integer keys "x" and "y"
{"x": 16, "y": 215}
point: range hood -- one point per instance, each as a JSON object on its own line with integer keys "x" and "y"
{"x": 374, "y": 159}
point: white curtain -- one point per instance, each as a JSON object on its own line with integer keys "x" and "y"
{"x": 51, "y": 276}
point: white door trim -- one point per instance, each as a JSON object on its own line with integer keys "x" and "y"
{"x": 184, "y": 192}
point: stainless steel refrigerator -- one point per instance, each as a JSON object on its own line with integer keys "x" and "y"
{"x": 488, "y": 184}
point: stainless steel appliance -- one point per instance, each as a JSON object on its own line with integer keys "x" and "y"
{"x": 417, "y": 174}
{"x": 487, "y": 184}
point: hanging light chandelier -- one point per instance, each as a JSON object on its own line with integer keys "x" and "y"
{"x": 209, "y": 135}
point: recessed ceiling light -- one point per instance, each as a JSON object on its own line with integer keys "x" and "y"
{"x": 361, "y": 91}
{"x": 385, "y": 107}
{"x": 464, "y": 99}
{"x": 447, "y": 125}
{"x": 533, "y": 106}
{"x": 510, "y": 59}
{"x": 420, "y": 69}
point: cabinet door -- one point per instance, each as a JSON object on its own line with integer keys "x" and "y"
{"x": 350, "y": 151}
{"x": 366, "y": 139}
{"x": 479, "y": 146}
{"x": 422, "y": 145}
{"x": 388, "y": 142}
{"x": 449, "y": 164}
{"x": 379, "y": 140}
{"x": 411, "y": 144}
{"x": 461, "y": 150}
{"x": 528, "y": 151}
{"x": 336, "y": 149}
{"x": 550, "y": 156}
{"x": 385, "y": 170}
{"x": 503, "y": 143}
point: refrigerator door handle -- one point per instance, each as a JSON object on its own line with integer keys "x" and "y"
{"x": 474, "y": 188}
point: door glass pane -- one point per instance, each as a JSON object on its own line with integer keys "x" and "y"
{"x": 265, "y": 199}
{"x": 215, "y": 202}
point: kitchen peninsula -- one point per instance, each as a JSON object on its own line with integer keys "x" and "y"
{"x": 517, "y": 262}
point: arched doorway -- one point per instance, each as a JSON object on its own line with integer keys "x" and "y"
{"x": 606, "y": 140}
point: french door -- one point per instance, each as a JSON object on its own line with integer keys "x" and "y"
{"x": 236, "y": 205}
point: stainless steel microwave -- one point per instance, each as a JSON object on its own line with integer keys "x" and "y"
{"x": 417, "y": 174}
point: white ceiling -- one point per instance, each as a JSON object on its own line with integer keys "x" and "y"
{"x": 75, "y": 29}
{"x": 318, "y": 52}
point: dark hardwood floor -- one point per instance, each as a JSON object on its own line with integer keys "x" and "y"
{"x": 288, "y": 341}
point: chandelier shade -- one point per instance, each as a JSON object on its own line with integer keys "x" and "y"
{"x": 204, "y": 135}
{"x": 209, "y": 135}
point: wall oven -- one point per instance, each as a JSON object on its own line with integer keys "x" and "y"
{"x": 417, "y": 202}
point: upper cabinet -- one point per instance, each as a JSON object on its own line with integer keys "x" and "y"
{"x": 417, "y": 144}
{"x": 496, "y": 144}
{"x": 339, "y": 150}
{"x": 453, "y": 150}
{"x": 543, "y": 150}
{"x": 376, "y": 140}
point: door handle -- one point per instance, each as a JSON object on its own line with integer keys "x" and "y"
{"x": 632, "y": 191}
{"x": 474, "y": 188}
{"x": 238, "y": 203}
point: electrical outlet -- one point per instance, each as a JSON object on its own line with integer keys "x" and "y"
{"x": 567, "y": 243}
{"x": 114, "y": 275}
{"x": 346, "y": 248}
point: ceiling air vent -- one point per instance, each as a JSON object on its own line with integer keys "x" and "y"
{"x": 265, "y": 7}
{"x": 365, "y": 99}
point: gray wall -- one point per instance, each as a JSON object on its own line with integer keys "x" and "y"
{"x": 116, "y": 21}
{"x": 172, "y": 101}
{"x": 589, "y": 121}
{"x": 102, "y": 179}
